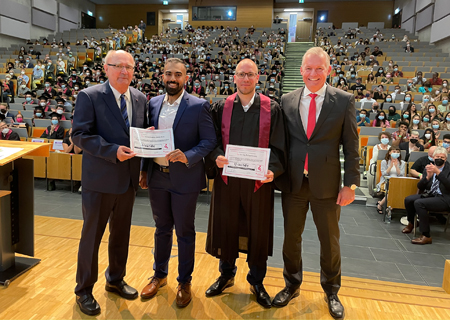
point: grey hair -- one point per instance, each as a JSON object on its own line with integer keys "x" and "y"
{"x": 440, "y": 150}
{"x": 319, "y": 52}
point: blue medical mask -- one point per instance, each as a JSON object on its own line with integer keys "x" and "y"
{"x": 431, "y": 110}
{"x": 353, "y": 76}
{"x": 38, "y": 114}
{"x": 408, "y": 99}
{"x": 395, "y": 155}
{"x": 257, "y": 87}
{"x": 395, "y": 69}
{"x": 28, "y": 99}
{"x": 55, "y": 122}
{"x": 381, "y": 117}
{"x": 444, "y": 102}
{"x": 362, "y": 115}
{"x": 431, "y": 159}
{"x": 47, "y": 85}
{"x": 448, "y": 119}
{"x": 405, "y": 116}
{"x": 435, "y": 126}
{"x": 415, "y": 121}
{"x": 426, "y": 119}
{"x": 388, "y": 99}
{"x": 445, "y": 145}
{"x": 426, "y": 100}
{"x": 384, "y": 141}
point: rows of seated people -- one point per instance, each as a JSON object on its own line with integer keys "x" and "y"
{"x": 41, "y": 88}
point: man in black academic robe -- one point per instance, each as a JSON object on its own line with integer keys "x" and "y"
{"x": 241, "y": 215}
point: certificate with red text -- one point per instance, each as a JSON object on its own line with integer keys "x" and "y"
{"x": 246, "y": 162}
{"x": 151, "y": 143}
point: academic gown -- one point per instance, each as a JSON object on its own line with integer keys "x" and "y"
{"x": 240, "y": 219}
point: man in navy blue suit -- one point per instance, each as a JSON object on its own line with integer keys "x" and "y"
{"x": 110, "y": 175}
{"x": 174, "y": 182}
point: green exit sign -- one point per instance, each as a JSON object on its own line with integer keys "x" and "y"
{"x": 165, "y": 3}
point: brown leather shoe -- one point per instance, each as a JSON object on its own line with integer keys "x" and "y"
{"x": 183, "y": 294}
{"x": 153, "y": 286}
{"x": 422, "y": 240}
{"x": 409, "y": 228}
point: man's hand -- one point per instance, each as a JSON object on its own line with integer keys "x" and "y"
{"x": 176, "y": 156}
{"x": 345, "y": 196}
{"x": 432, "y": 169}
{"x": 124, "y": 153}
{"x": 221, "y": 161}
{"x": 269, "y": 177}
{"x": 143, "y": 180}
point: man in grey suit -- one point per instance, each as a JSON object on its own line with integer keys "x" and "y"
{"x": 319, "y": 118}
{"x": 110, "y": 175}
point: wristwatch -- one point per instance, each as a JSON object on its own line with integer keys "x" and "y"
{"x": 353, "y": 187}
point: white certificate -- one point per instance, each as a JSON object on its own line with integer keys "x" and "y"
{"x": 246, "y": 162}
{"x": 151, "y": 143}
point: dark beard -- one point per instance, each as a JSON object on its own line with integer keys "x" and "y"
{"x": 173, "y": 91}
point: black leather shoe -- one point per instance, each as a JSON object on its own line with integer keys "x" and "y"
{"x": 262, "y": 297}
{"x": 221, "y": 284}
{"x": 122, "y": 289}
{"x": 335, "y": 306}
{"x": 284, "y": 296}
{"x": 88, "y": 305}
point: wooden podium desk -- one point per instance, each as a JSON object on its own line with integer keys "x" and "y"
{"x": 17, "y": 208}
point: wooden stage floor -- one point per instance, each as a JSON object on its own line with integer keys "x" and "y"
{"x": 46, "y": 291}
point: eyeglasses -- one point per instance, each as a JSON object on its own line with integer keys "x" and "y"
{"x": 250, "y": 75}
{"x": 119, "y": 67}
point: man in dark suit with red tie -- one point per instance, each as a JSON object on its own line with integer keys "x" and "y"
{"x": 110, "y": 175}
{"x": 319, "y": 119}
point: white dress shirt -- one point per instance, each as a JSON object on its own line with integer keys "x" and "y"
{"x": 306, "y": 100}
{"x": 117, "y": 95}
{"x": 249, "y": 104}
{"x": 166, "y": 120}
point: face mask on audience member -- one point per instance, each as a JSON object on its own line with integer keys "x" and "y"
{"x": 381, "y": 117}
{"x": 362, "y": 115}
{"x": 19, "y": 119}
{"x": 431, "y": 110}
{"x": 38, "y": 114}
{"x": 47, "y": 85}
{"x": 391, "y": 111}
{"x": 384, "y": 141}
{"x": 395, "y": 155}
{"x": 28, "y": 99}
{"x": 59, "y": 111}
{"x": 435, "y": 126}
{"x": 416, "y": 121}
{"x": 43, "y": 104}
{"x": 427, "y": 135}
{"x": 426, "y": 100}
{"x": 388, "y": 99}
{"x": 444, "y": 102}
{"x": 439, "y": 162}
{"x": 76, "y": 88}
{"x": 63, "y": 86}
{"x": 413, "y": 141}
{"x": 405, "y": 116}
{"x": 445, "y": 145}
{"x": 5, "y": 131}
{"x": 55, "y": 122}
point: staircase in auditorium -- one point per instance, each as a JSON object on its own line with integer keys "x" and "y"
{"x": 294, "y": 52}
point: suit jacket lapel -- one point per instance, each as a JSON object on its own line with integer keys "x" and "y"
{"x": 157, "y": 110}
{"x": 181, "y": 109}
{"x": 111, "y": 102}
{"x": 327, "y": 106}
{"x": 296, "y": 112}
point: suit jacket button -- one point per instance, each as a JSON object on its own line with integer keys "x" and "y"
{"x": 307, "y": 144}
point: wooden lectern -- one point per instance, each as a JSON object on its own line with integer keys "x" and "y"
{"x": 17, "y": 208}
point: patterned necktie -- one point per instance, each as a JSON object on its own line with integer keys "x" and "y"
{"x": 123, "y": 109}
{"x": 435, "y": 186}
{"x": 311, "y": 122}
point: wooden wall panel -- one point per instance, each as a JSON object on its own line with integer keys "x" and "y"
{"x": 349, "y": 11}
{"x": 119, "y": 15}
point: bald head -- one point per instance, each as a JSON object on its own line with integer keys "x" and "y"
{"x": 248, "y": 64}
{"x": 431, "y": 151}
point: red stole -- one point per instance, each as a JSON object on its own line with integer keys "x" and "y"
{"x": 264, "y": 126}
{"x": 56, "y": 129}
{"x": 6, "y": 137}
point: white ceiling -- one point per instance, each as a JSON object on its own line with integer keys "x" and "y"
{"x": 186, "y": 2}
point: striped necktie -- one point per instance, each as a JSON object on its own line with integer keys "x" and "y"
{"x": 435, "y": 186}
{"x": 123, "y": 109}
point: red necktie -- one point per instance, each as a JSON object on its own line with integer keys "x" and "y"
{"x": 311, "y": 122}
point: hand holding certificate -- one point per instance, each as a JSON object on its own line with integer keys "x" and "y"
{"x": 246, "y": 162}
{"x": 151, "y": 143}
